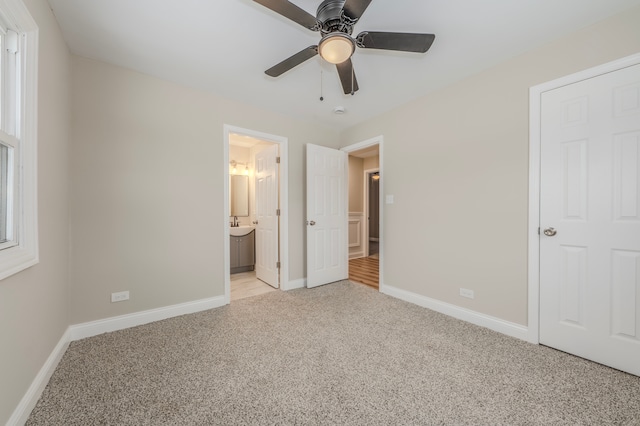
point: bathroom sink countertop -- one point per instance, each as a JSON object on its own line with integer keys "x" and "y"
{"x": 239, "y": 231}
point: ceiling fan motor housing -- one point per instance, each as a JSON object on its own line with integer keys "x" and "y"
{"x": 330, "y": 15}
{"x": 335, "y": 20}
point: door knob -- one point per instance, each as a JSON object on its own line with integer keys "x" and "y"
{"x": 550, "y": 232}
{"x": 313, "y": 222}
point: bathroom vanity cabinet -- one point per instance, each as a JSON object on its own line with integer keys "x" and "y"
{"x": 243, "y": 253}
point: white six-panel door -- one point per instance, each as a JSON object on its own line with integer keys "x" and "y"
{"x": 327, "y": 240}
{"x": 590, "y": 196}
{"x": 266, "y": 179}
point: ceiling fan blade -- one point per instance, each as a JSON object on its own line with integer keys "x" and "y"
{"x": 355, "y": 8}
{"x": 292, "y": 61}
{"x": 291, "y": 11}
{"x": 347, "y": 77}
{"x": 405, "y": 42}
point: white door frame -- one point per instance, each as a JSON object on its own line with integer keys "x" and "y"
{"x": 365, "y": 204}
{"x": 378, "y": 140}
{"x": 535, "y": 95}
{"x": 283, "y": 187}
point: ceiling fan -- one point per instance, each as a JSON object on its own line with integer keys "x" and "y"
{"x": 335, "y": 20}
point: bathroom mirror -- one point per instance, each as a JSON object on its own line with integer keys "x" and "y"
{"x": 239, "y": 195}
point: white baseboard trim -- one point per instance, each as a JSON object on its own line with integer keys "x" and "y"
{"x": 496, "y": 324}
{"x": 31, "y": 397}
{"x": 93, "y": 328}
{"x": 295, "y": 284}
{"x": 356, "y": 255}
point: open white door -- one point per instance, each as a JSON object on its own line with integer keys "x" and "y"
{"x": 590, "y": 219}
{"x": 327, "y": 240}
{"x": 266, "y": 175}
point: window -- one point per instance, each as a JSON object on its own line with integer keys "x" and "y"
{"x": 18, "y": 106}
{"x": 7, "y": 170}
{"x": 9, "y": 143}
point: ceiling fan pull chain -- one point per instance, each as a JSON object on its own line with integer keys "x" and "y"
{"x": 353, "y": 74}
{"x": 321, "y": 91}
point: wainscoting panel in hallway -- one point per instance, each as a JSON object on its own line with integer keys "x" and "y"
{"x": 364, "y": 270}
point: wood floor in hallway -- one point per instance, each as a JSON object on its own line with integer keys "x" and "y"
{"x": 364, "y": 270}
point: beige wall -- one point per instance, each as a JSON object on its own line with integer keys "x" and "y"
{"x": 457, "y": 163}
{"x": 357, "y": 166}
{"x": 144, "y": 194}
{"x": 371, "y": 163}
{"x": 357, "y": 210}
{"x": 241, "y": 155}
{"x": 34, "y": 303}
{"x": 355, "y": 184}
{"x": 147, "y": 189}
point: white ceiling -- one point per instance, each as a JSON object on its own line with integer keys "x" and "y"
{"x": 224, "y": 46}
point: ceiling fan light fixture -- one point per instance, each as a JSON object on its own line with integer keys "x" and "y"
{"x": 336, "y": 48}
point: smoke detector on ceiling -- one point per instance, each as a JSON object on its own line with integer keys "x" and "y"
{"x": 339, "y": 110}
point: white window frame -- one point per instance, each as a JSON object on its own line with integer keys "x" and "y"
{"x": 12, "y": 195}
{"x": 22, "y": 252}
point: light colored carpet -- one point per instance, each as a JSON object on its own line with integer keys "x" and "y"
{"x": 337, "y": 354}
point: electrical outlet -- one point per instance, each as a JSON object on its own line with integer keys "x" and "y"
{"x": 465, "y": 292}
{"x": 120, "y": 296}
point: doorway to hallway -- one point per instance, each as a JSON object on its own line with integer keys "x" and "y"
{"x": 365, "y": 242}
{"x": 372, "y": 205}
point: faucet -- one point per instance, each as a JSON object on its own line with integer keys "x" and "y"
{"x": 235, "y": 222}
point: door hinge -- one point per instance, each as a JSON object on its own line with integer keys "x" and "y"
{"x": 278, "y": 265}
{"x": 277, "y": 212}
{"x": 538, "y": 230}
{"x": 277, "y": 160}
{"x": 11, "y": 42}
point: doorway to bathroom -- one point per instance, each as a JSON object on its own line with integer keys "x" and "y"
{"x": 365, "y": 212}
{"x": 256, "y": 213}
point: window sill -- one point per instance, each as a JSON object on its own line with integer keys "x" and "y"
{"x": 16, "y": 259}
